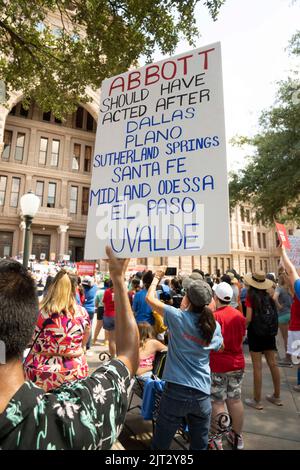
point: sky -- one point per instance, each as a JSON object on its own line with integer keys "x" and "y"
{"x": 254, "y": 35}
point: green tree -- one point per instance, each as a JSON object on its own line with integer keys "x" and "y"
{"x": 97, "y": 39}
{"x": 271, "y": 177}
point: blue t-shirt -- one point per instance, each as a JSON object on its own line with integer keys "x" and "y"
{"x": 90, "y": 294}
{"x": 187, "y": 359}
{"x": 297, "y": 288}
{"x": 141, "y": 309}
{"x": 243, "y": 294}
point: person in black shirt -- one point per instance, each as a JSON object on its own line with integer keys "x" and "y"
{"x": 84, "y": 414}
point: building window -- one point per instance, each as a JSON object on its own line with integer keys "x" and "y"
{"x": 7, "y": 145}
{"x": 39, "y": 190}
{"x": 249, "y": 239}
{"x": 242, "y": 214}
{"x": 85, "y": 201}
{"x": 47, "y": 116}
{"x": 6, "y": 241}
{"x": 76, "y": 157}
{"x": 51, "y": 195}
{"x": 215, "y": 265}
{"x": 79, "y": 118}
{"x": 244, "y": 237}
{"x": 209, "y": 264}
{"x": 55, "y": 152}
{"x": 43, "y": 151}
{"x": 247, "y": 213}
{"x": 73, "y": 199}
{"x": 15, "y": 190}
{"x": 19, "y": 147}
{"x": 222, "y": 265}
{"x": 264, "y": 238}
{"x": 248, "y": 265}
{"x": 23, "y": 111}
{"x": 89, "y": 122}
{"x": 87, "y": 158}
{"x": 3, "y": 181}
{"x": 259, "y": 240}
{"x": 228, "y": 264}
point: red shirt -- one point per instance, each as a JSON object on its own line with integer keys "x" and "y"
{"x": 109, "y": 304}
{"x": 295, "y": 315}
{"x": 233, "y": 327}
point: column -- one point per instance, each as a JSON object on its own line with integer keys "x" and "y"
{"x": 62, "y": 230}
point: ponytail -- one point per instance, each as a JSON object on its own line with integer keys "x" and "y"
{"x": 206, "y": 322}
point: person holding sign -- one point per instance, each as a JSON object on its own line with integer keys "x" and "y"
{"x": 293, "y": 345}
{"x": 87, "y": 414}
{"x": 194, "y": 333}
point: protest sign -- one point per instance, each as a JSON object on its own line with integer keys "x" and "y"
{"x": 282, "y": 235}
{"x": 85, "y": 269}
{"x": 294, "y": 251}
{"x": 159, "y": 183}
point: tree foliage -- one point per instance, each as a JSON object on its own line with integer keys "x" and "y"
{"x": 271, "y": 178}
{"x": 97, "y": 39}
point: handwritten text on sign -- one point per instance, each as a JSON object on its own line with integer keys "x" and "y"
{"x": 159, "y": 183}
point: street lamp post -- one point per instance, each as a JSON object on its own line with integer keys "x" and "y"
{"x": 29, "y": 205}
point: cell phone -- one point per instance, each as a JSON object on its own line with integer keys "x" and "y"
{"x": 171, "y": 272}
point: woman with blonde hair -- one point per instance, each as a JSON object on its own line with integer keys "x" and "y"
{"x": 62, "y": 330}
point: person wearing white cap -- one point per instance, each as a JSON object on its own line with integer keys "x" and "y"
{"x": 227, "y": 366}
{"x": 194, "y": 333}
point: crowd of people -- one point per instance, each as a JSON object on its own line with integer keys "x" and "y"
{"x": 48, "y": 399}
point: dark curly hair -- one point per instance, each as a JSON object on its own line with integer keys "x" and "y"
{"x": 18, "y": 308}
{"x": 147, "y": 279}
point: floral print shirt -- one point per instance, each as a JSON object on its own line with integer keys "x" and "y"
{"x": 57, "y": 333}
{"x": 85, "y": 414}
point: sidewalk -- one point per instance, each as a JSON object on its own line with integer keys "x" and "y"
{"x": 273, "y": 428}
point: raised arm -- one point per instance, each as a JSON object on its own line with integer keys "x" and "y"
{"x": 126, "y": 330}
{"x": 151, "y": 299}
{"x": 288, "y": 266}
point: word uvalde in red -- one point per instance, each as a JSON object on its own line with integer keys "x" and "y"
{"x": 168, "y": 70}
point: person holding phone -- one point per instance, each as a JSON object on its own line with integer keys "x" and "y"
{"x": 193, "y": 334}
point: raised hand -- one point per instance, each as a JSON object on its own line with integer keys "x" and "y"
{"x": 117, "y": 267}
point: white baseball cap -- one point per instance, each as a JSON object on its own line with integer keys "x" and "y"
{"x": 223, "y": 291}
{"x": 88, "y": 281}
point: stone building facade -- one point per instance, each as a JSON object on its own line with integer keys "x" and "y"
{"x": 54, "y": 160}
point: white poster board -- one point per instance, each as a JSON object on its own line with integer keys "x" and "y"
{"x": 159, "y": 183}
{"x": 294, "y": 252}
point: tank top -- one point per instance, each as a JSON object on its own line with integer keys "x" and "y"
{"x": 147, "y": 361}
